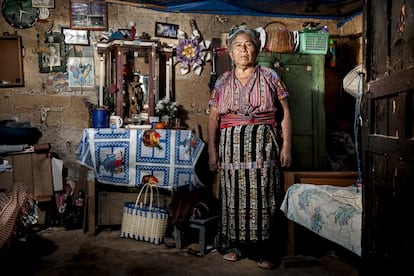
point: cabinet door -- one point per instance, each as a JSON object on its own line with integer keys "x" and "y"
{"x": 304, "y": 79}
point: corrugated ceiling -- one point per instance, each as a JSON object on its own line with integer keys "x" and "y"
{"x": 323, "y": 9}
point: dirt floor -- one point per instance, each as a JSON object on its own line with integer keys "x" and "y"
{"x": 57, "y": 251}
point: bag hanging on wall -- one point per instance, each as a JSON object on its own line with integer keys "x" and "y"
{"x": 278, "y": 38}
{"x": 142, "y": 221}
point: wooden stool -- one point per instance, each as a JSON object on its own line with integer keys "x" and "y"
{"x": 201, "y": 225}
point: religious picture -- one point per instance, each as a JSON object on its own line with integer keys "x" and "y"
{"x": 81, "y": 71}
{"x": 51, "y": 58}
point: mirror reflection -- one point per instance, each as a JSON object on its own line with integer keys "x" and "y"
{"x": 138, "y": 96}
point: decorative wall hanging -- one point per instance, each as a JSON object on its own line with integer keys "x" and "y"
{"x": 81, "y": 72}
{"x": 59, "y": 82}
{"x": 52, "y": 54}
{"x": 192, "y": 52}
{"x": 166, "y": 30}
{"x": 79, "y": 37}
{"x": 44, "y": 14}
{"x": 88, "y": 15}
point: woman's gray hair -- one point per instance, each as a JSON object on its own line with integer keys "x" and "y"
{"x": 243, "y": 29}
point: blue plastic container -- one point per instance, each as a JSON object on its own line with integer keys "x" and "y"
{"x": 100, "y": 118}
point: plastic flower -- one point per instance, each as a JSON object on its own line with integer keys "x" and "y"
{"x": 192, "y": 52}
{"x": 165, "y": 107}
{"x": 189, "y": 51}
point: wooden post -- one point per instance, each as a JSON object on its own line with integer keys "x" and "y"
{"x": 90, "y": 198}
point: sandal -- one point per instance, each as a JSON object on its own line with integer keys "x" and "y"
{"x": 232, "y": 255}
{"x": 266, "y": 264}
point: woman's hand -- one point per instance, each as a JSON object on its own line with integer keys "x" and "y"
{"x": 286, "y": 153}
{"x": 285, "y": 158}
{"x": 212, "y": 166}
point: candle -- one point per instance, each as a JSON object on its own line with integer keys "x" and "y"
{"x": 101, "y": 80}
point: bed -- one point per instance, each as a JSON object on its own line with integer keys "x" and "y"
{"x": 326, "y": 203}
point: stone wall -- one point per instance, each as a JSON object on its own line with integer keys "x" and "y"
{"x": 67, "y": 115}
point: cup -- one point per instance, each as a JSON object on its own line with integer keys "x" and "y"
{"x": 100, "y": 118}
{"x": 115, "y": 121}
{"x": 136, "y": 119}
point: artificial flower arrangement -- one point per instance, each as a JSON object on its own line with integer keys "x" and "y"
{"x": 192, "y": 52}
{"x": 165, "y": 107}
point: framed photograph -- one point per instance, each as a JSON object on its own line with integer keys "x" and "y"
{"x": 43, "y": 3}
{"x": 88, "y": 15}
{"x": 81, "y": 72}
{"x": 79, "y": 37}
{"x": 166, "y": 30}
{"x": 53, "y": 56}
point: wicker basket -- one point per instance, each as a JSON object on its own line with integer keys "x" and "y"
{"x": 142, "y": 221}
{"x": 278, "y": 38}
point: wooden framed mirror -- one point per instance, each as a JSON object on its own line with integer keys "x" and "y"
{"x": 11, "y": 59}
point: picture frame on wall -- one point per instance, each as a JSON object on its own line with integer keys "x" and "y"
{"x": 89, "y": 15}
{"x": 166, "y": 30}
{"x": 81, "y": 72}
{"x": 43, "y": 4}
{"x": 78, "y": 37}
{"x": 53, "y": 58}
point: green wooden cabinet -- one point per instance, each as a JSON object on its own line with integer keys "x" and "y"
{"x": 304, "y": 76}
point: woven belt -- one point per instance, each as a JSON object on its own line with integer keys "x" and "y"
{"x": 231, "y": 120}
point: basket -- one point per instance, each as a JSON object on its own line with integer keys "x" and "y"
{"x": 145, "y": 222}
{"x": 278, "y": 38}
{"x": 313, "y": 43}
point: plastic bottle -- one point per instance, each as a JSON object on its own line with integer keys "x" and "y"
{"x": 80, "y": 205}
{"x": 80, "y": 201}
{"x": 332, "y": 52}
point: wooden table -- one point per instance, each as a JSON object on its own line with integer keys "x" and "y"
{"x": 124, "y": 157}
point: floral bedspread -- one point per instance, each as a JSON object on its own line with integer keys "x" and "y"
{"x": 332, "y": 212}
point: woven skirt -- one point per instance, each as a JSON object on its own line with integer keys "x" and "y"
{"x": 250, "y": 186}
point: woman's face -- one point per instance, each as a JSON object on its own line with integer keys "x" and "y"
{"x": 243, "y": 52}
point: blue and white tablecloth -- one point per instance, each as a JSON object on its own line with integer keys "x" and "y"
{"x": 123, "y": 157}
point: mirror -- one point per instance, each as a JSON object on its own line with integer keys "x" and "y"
{"x": 11, "y": 59}
{"x": 139, "y": 82}
{"x": 134, "y": 76}
{"x": 134, "y": 66}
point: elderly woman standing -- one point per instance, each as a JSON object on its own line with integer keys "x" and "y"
{"x": 243, "y": 146}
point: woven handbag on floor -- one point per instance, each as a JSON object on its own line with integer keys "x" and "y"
{"x": 142, "y": 221}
